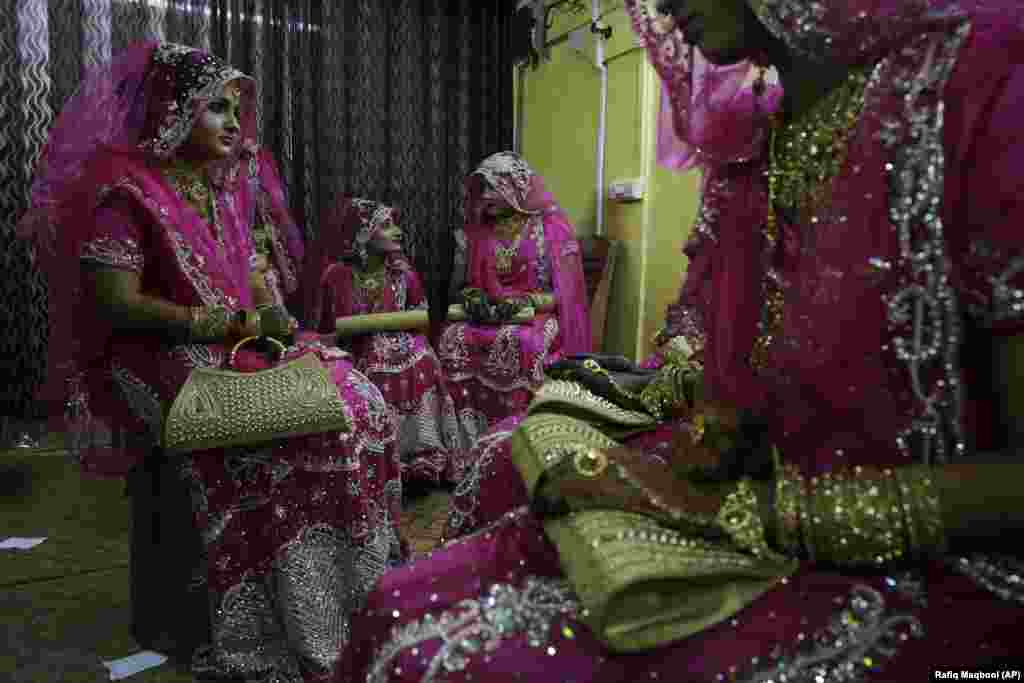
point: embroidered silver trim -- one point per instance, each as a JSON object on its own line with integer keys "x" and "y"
{"x": 1001, "y": 575}
{"x": 116, "y": 253}
{"x": 860, "y": 638}
{"x": 543, "y": 260}
{"x": 1005, "y": 302}
{"x": 469, "y": 482}
{"x": 190, "y": 263}
{"x": 923, "y": 312}
{"x": 142, "y": 399}
{"x": 476, "y": 626}
{"x": 317, "y": 587}
{"x": 199, "y": 355}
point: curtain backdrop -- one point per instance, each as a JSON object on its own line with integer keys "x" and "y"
{"x": 393, "y": 100}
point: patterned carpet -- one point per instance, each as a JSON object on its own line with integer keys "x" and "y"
{"x": 64, "y": 605}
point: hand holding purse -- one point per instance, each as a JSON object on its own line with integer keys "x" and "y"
{"x": 225, "y": 408}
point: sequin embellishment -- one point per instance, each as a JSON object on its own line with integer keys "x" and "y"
{"x": 858, "y": 640}
{"x": 477, "y": 626}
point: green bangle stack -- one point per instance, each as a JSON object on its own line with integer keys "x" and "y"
{"x": 861, "y": 516}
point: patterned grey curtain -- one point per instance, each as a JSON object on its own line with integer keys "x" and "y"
{"x": 394, "y": 101}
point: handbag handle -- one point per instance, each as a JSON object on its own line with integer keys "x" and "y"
{"x": 281, "y": 348}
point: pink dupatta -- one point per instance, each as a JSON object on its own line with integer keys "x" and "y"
{"x": 127, "y": 117}
{"x": 524, "y": 191}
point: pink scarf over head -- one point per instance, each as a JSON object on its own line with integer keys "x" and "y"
{"x": 523, "y": 190}
{"x": 128, "y": 117}
{"x": 346, "y": 228}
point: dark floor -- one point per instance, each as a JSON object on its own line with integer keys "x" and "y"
{"x": 64, "y": 604}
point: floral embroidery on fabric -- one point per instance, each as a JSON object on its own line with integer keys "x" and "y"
{"x": 199, "y": 355}
{"x": 857, "y": 641}
{"x": 142, "y": 399}
{"x": 1001, "y": 575}
{"x": 466, "y": 497}
{"x": 248, "y": 639}
{"x": 503, "y": 360}
{"x": 193, "y": 265}
{"x": 116, "y": 253}
{"x": 1001, "y": 271}
{"x": 478, "y": 626}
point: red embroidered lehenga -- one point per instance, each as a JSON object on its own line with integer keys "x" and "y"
{"x": 912, "y": 265}
{"x": 295, "y": 531}
{"x": 493, "y": 369}
{"x": 401, "y": 363}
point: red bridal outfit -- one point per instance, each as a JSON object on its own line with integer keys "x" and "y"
{"x": 493, "y": 369}
{"x": 402, "y": 364}
{"x": 859, "y": 328}
{"x": 295, "y": 531}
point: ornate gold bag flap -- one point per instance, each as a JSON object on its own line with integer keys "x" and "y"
{"x": 224, "y": 408}
{"x": 644, "y": 586}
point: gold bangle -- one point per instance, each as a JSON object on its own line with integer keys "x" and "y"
{"x": 740, "y": 518}
{"x": 921, "y": 509}
{"x": 855, "y": 518}
{"x": 281, "y": 348}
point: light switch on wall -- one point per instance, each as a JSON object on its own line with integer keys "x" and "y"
{"x": 627, "y": 190}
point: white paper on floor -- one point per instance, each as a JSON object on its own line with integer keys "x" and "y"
{"x": 18, "y": 543}
{"x": 129, "y": 666}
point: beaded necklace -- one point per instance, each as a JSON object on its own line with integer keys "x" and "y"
{"x": 369, "y": 283}
{"x": 192, "y": 186}
{"x": 505, "y": 253}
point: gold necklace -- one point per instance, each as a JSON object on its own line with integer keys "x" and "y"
{"x": 505, "y": 253}
{"x": 805, "y": 156}
{"x": 370, "y": 283}
{"x": 192, "y": 186}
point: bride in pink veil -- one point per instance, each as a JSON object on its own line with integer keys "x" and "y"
{"x": 520, "y": 244}
{"x": 142, "y": 214}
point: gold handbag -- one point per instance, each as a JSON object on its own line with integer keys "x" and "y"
{"x": 225, "y": 408}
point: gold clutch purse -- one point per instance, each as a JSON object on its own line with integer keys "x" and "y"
{"x": 224, "y": 408}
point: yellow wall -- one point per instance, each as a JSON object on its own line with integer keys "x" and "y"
{"x": 561, "y": 103}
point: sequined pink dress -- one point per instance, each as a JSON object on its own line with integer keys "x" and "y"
{"x": 494, "y": 369}
{"x": 889, "y": 298}
{"x": 404, "y": 367}
{"x": 281, "y": 521}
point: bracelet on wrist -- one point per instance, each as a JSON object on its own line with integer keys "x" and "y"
{"x": 209, "y": 323}
{"x": 740, "y": 518}
{"x": 860, "y": 516}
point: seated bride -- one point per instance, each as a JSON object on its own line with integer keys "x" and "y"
{"x": 375, "y": 301}
{"x": 522, "y": 257}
